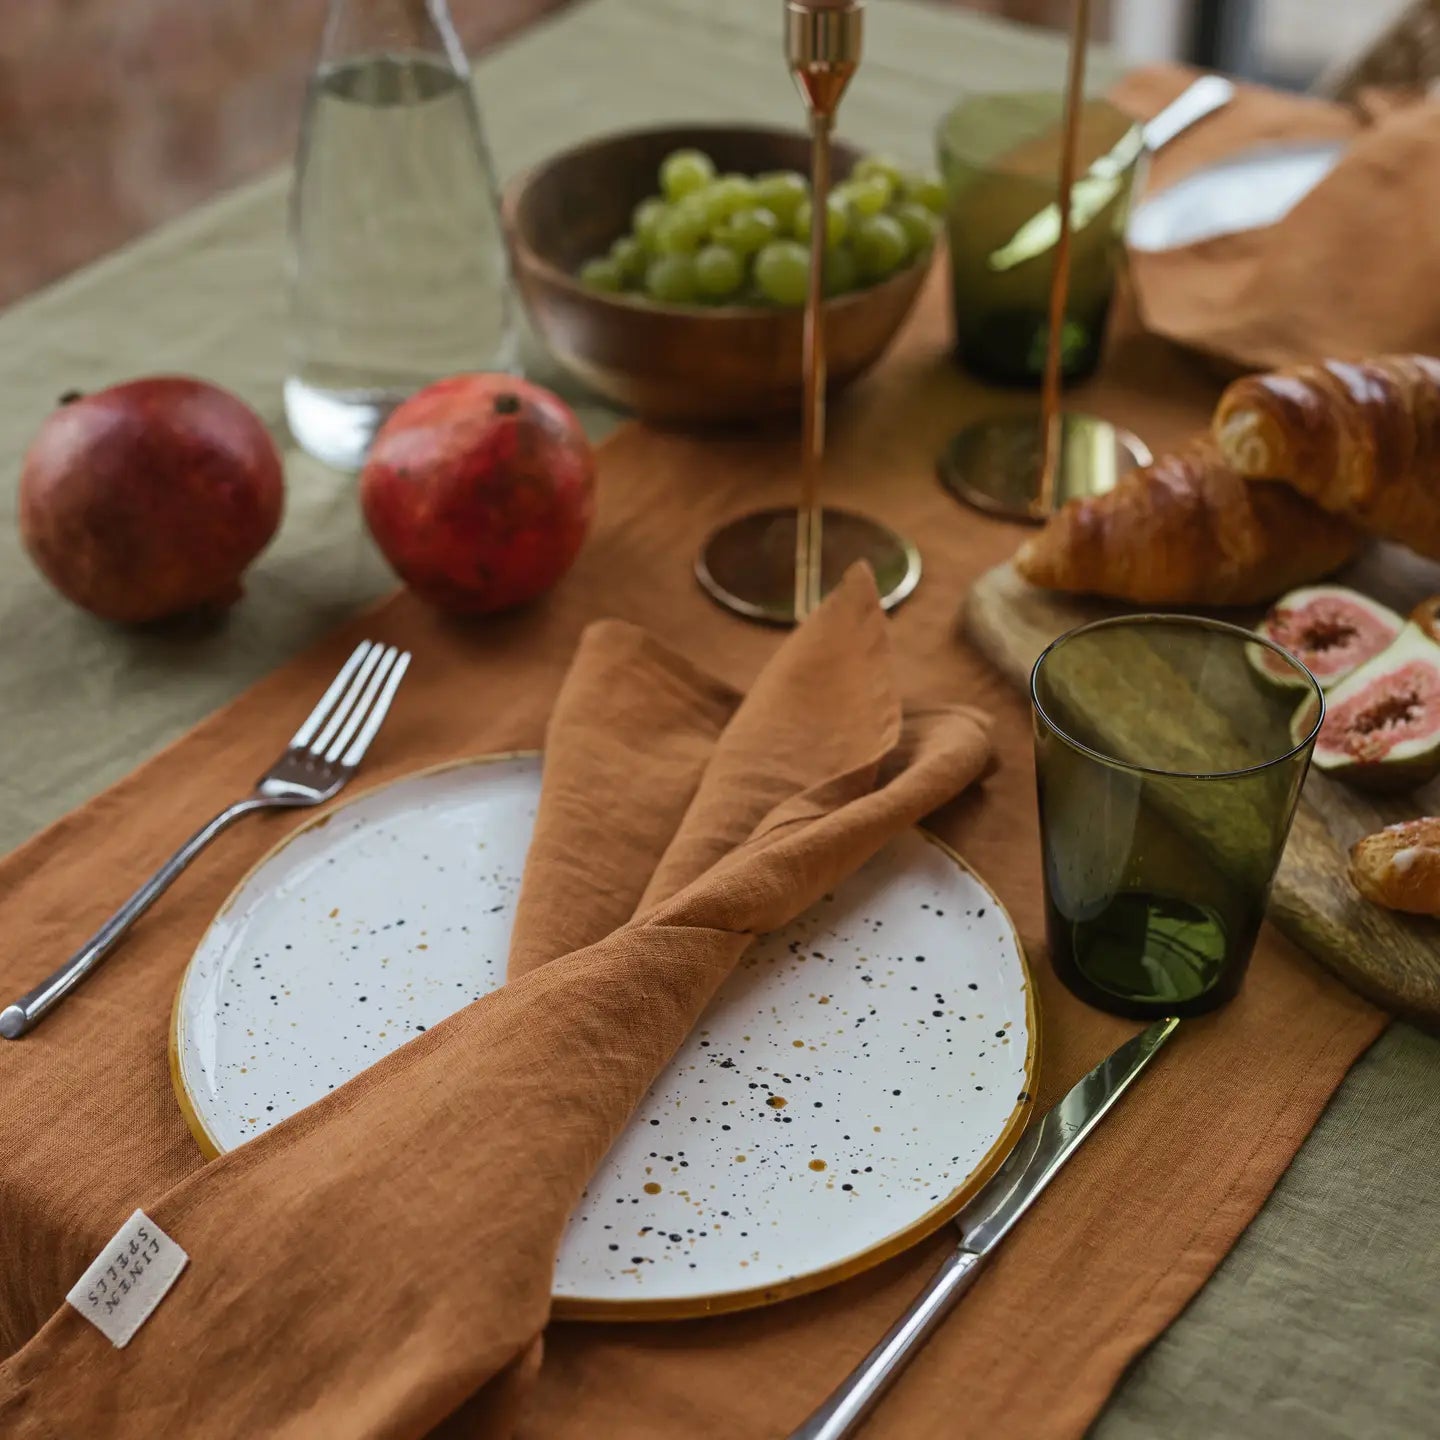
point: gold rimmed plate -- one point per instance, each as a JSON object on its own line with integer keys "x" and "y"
{"x": 853, "y": 1083}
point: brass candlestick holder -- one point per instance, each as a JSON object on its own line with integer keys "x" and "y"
{"x": 775, "y": 565}
{"x": 1027, "y": 467}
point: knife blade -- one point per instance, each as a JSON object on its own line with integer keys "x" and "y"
{"x": 983, "y": 1223}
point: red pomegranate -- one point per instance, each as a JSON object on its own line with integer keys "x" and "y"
{"x": 480, "y": 490}
{"x": 150, "y": 498}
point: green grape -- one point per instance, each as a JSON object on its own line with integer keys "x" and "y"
{"x": 685, "y": 171}
{"x": 925, "y": 190}
{"x": 881, "y": 166}
{"x": 918, "y": 223}
{"x": 630, "y": 257}
{"x": 696, "y": 213}
{"x": 706, "y": 205}
{"x": 646, "y": 218}
{"x": 842, "y": 270}
{"x": 719, "y": 272}
{"x": 781, "y": 192}
{"x": 869, "y": 196}
{"x": 679, "y": 232}
{"x": 671, "y": 279}
{"x": 782, "y": 272}
{"x": 880, "y": 246}
{"x": 696, "y": 205}
{"x": 729, "y": 194}
{"x": 747, "y": 230}
{"x": 837, "y": 220}
{"x": 601, "y": 274}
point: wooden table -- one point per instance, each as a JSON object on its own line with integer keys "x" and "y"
{"x": 1325, "y": 1319}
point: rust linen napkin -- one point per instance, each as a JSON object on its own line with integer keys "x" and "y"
{"x": 1354, "y": 268}
{"x": 398, "y": 1237}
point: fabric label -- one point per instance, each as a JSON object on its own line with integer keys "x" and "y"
{"x": 128, "y": 1279}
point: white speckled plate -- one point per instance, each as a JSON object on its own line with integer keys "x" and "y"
{"x": 853, "y": 1083}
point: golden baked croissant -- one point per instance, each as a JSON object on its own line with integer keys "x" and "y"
{"x": 1399, "y": 866}
{"x": 1361, "y": 440}
{"x": 1187, "y": 530}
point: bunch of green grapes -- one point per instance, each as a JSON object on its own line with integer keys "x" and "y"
{"x": 709, "y": 239}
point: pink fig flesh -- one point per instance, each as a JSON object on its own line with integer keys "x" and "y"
{"x": 1404, "y": 710}
{"x": 1332, "y": 631}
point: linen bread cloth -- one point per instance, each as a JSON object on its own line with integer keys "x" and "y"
{"x": 1352, "y": 269}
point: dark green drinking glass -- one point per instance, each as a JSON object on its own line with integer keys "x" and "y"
{"x": 999, "y": 155}
{"x": 1168, "y": 769}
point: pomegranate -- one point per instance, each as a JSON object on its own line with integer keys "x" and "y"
{"x": 479, "y": 490}
{"x": 150, "y": 498}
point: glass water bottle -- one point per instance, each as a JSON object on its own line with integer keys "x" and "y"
{"x": 399, "y": 274}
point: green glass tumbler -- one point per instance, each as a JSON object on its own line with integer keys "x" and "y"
{"x": 999, "y": 155}
{"x": 1168, "y": 768}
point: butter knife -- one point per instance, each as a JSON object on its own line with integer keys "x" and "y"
{"x": 983, "y": 1224}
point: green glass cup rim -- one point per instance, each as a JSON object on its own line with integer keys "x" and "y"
{"x": 1022, "y": 92}
{"x": 978, "y": 94}
{"x": 1182, "y": 622}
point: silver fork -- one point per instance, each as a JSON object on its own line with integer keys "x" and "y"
{"x": 322, "y": 755}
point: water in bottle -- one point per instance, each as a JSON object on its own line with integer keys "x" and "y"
{"x": 399, "y": 270}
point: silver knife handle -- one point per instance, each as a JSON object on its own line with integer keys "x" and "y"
{"x": 1196, "y": 101}
{"x": 857, "y": 1395}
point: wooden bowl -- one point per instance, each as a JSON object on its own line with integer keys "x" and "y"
{"x": 716, "y": 364}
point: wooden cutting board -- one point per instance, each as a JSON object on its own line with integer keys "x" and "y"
{"x": 1391, "y": 958}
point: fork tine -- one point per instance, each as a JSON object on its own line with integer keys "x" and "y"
{"x": 352, "y": 724}
{"x": 379, "y": 710}
{"x": 347, "y": 700}
{"x": 317, "y": 716}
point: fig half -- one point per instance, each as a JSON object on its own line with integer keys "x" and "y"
{"x": 1382, "y": 723}
{"x": 1332, "y": 631}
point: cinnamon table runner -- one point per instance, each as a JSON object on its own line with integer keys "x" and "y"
{"x": 1116, "y": 1247}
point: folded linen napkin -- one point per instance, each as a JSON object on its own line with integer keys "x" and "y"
{"x": 1352, "y": 269}
{"x": 382, "y": 1262}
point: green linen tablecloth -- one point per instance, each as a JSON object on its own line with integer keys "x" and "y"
{"x": 1325, "y": 1319}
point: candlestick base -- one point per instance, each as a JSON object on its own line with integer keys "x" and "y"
{"x": 748, "y": 565}
{"x": 995, "y": 465}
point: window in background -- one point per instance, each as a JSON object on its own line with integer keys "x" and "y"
{"x": 1280, "y": 42}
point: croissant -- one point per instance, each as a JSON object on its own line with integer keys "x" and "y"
{"x": 1399, "y": 866}
{"x": 1187, "y": 530}
{"x": 1361, "y": 440}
